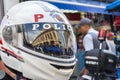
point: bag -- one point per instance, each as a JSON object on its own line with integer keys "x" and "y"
{"x": 100, "y": 61}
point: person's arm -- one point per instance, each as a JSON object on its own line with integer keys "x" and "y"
{"x": 2, "y": 67}
{"x": 88, "y": 42}
{"x": 83, "y": 72}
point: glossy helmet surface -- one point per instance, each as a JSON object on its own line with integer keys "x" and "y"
{"x": 38, "y": 41}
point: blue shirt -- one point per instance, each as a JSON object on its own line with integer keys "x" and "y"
{"x": 80, "y": 57}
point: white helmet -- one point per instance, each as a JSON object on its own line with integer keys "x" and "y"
{"x": 38, "y": 41}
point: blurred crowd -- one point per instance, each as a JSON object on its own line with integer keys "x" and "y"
{"x": 86, "y": 41}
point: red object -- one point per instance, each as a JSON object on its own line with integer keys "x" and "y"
{"x": 102, "y": 35}
{"x": 38, "y": 16}
{"x": 0, "y": 41}
{"x": 117, "y": 22}
{"x": 12, "y": 53}
{"x": 110, "y": 34}
{"x": 73, "y": 16}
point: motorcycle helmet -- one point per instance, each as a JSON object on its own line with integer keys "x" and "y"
{"x": 37, "y": 41}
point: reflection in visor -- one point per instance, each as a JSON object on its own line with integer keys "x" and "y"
{"x": 54, "y": 39}
{"x": 52, "y": 43}
{"x": 50, "y": 39}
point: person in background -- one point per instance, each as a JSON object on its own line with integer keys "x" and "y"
{"x": 80, "y": 55}
{"x": 90, "y": 40}
{"x": 110, "y": 38}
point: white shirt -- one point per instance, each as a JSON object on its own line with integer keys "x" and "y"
{"x": 112, "y": 45}
{"x": 88, "y": 40}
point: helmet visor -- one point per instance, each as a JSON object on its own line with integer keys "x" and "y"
{"x": 53, "y": 39}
